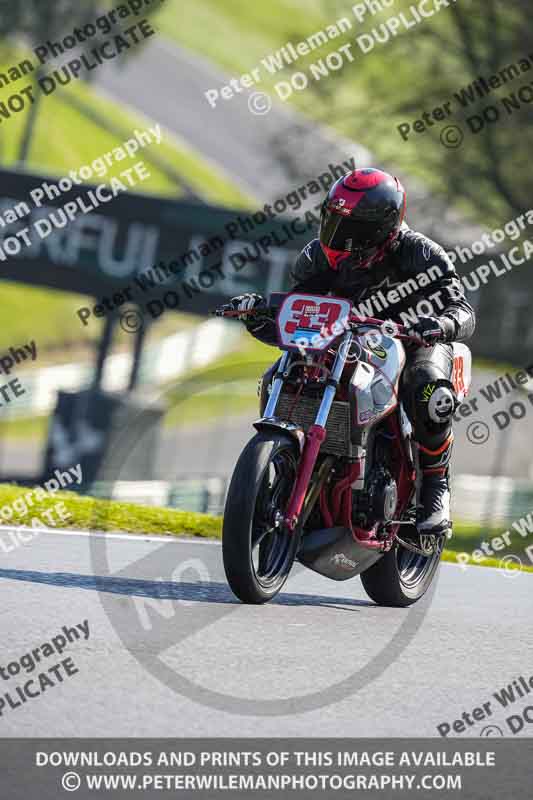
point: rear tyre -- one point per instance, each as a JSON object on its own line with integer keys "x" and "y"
{"x": 401, "y": 577}
{"x": 257, "y": 550}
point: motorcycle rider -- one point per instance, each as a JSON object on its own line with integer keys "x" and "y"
{"x": 365, "y": 247}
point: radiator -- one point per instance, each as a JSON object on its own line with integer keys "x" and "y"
{"x": 303, "y": 412}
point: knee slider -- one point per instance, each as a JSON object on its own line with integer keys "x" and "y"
{"x": 437, "y": 400}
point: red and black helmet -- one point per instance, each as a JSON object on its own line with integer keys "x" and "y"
{"x": 361, "y": 217}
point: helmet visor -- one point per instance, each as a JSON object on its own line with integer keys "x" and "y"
{"x": 344, "y": 233}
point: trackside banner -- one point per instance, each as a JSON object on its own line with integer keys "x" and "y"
{"x": 99, "y": 238}
{"x": 164, "y": 254}
{"x": 480, "y": 769}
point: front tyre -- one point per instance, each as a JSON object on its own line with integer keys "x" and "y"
{"x": 257, "y": 550}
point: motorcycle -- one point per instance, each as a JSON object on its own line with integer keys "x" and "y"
{"x": 329, "y": 478}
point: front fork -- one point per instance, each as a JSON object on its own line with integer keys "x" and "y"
{"x": 316, "y": 433}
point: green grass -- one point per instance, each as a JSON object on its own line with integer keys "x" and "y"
{"x": 24, "y": 428}
{"x": 87, "y": 513}
{"x": 467, "y": 537}
{"x": 236, "y": 33}
{"x": 227, "y": 388}
{"x": 51, "y": 323}
{"x": 204, "y": 405}
{"x": 66, "y": 139}
{"x": 495, "y": 563}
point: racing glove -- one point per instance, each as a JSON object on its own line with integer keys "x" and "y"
{"x": 430, "y": 330}
{"x": 246, "y": 302}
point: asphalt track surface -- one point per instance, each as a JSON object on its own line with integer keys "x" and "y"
{"x": 165, "y": 602}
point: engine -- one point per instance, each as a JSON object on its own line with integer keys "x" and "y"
{"x": 378, "y": 501}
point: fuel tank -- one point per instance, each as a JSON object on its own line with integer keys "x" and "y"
{"x": 375, "y": 380}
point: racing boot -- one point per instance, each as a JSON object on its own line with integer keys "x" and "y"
{"x": 433, "y": 492}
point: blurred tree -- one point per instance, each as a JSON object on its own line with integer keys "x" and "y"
{"x": 37, "y": 20}
{"x": 484, "y": 43}
{"x": 422, "y": 68}
{"x": 33, "y": 22}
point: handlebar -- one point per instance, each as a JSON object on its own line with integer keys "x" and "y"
{"x": 397, "y": 331}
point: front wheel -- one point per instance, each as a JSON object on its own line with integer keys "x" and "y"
{"x": 257, "y": 549}
{"x": 402, "y": 576}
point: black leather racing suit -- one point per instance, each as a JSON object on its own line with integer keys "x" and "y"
{"x": 415, "y": 278}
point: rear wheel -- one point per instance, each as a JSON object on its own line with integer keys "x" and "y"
{"x": 257, "y": 549}
{"x": 402, "y": 576}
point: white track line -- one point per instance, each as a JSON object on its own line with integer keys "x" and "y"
{"x": 144, "y": 538}
{"x": 105, "y": 535}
